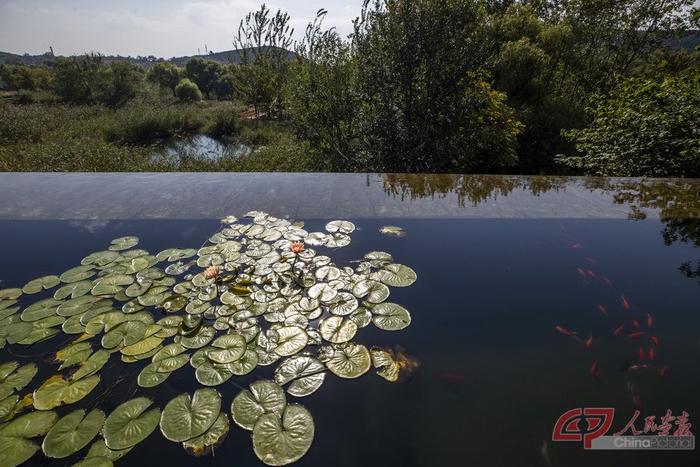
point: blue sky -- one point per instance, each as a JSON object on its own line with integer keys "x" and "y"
{"x": 158, "y": 27}
{"x": 147, "y": 27}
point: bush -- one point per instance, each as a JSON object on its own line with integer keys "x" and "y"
{"x": 645, "y": 128}
{"x": 224, "y": 122}
{"x": 187, "y": 91}
{"x": 144, "y": 124}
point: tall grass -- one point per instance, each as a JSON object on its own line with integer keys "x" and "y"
{"x": 139, "y": 124}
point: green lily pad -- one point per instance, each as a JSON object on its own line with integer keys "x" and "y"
{"x": 130, "y": 423}
{"x": 351, "y": 361}
{"x": 150, "y": 376}
{"x": 184, "y": 418}
{"x": 125, "y": 334}
{"x": 142, "y": 346}
{"x": 77, "y": 274}
{"x": 263, "y": 397}
{"x": 206, "y": 443}
{"x": 42, "y": 283}
{"x": 395, "y": 275}
{"x": 76, "y": 306}
{"x": 112, "y": 284}
{"x": 202, "y": 338}
{"x": 123, "y": 243}
{"x": 73, "y": 290}
{"x": 292, "y": 339}
{"x": 371, "y": 291}
{"x": 345, "y": 227}
{"x": 40, "y": 309}
{"x": 227, "y": 348}
{"x": 247, "y": 363}
{"x": 213, "y": 374}
{"x": 100, "y": 449}
{"x": 390, "y": 316}
{"x": 15, "y": 437}
{"x": 56, "y": 391}
{"x": 307, "y": 385}
{"x": 93, "y": 364}
{"x": 14, "y": 378}
{"x": 297, "y": 367}
{"x": 100, "y": 258}
{"x": 72, "y": 433}
{"x": 337, "y": 329}
{"x": 281, "y": 440}
{"x": 10, "y": 294}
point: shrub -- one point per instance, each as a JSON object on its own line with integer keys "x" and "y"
{"x": 144, "y": 124}
{"x": 224, "y": 122}
{"x": 187, "y": 91}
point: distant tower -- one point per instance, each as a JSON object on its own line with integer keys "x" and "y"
{"x": 206, "y": 50}
{"x": 51, "y": 49}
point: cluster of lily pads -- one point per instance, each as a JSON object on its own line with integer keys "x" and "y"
{"x": 257, "y": 294}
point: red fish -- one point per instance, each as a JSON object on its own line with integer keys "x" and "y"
{"x": 619, "y": 330}
{"x": 636, "y": 335}
{"x": 641, "y": 353}
{"x": 590, "y": 273}
{"x": 650, "y": 320}
{"x": 655, "y": 340}
{"x": 625, "y": 303}
{"x": 607, "y": 281}
{"x": 663, "y": 371}
{"x": 581, "y": 273}
{"x": 589, "y": 342}
{"x": 602, "y": 310}
{"x": 636, "y": 324}
{"x": 594, "y": 371}
{"x": 652, "y": 353}
{"x": 563, "y": 331}
{"x": 575, "y": 246}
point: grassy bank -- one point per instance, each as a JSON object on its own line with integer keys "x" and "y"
{"x": 47, "y": 136}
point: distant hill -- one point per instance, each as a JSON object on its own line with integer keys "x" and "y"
{"x": 228, "y": 56}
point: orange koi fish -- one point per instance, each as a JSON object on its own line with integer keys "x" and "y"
{"x": 563, "y": 331}
{"x": 602, "y": 310}
{"x": 625, "y": 303}
{"x": 581, "y": 273}
{"x": 619, "y": 330}
{"x": 650, "y": 320}
{"x": 652, "y": 353}
{"x": 636, "y": 324}
{"x": 607, "y": 281}
{"x": 641, "y": 353}
{"x": 663, "y": 371}
{"x": 636, "y": 335}
{"x": 655, "y": 340}
{"x": 590, "y": 273}
{"x": 594, "y": 371}
{"x": 589, "y": 342}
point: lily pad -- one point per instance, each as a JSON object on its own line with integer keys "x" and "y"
{"x": 281, "y": 440}
{"x": 73, "y": 290}
{"x": 56, "y": 391}
{"x": 390, "y": 316}
{"x": 307, "y": 385}
{"x": 15, "y": 437}
{"x": 227, "y": 348}
{"x": 213, "y": 374}
{"x": 337, "y": 330}
{"x": 395, "y": 275}
{"x": 130, "y": 423}
{"x": 371, "y": 291}
{"x": 123, "y": 243}
{"x": 351, "y": 361}
{"x": 206, "y": 443}
{"x": 10, "y": 294}
{"x": 150, "y": 376}
{"x": 77, "y": 274}
{"x": 13, "y": 378}
{"x": 263, "y": 397}
{"x": 345, "y": 227}
{"x": 42, "y": 283}
{"x": 93, "y": 364}
{"x": 72, "y": 433}
{"x": 292, "y": 339}
{"x": 184, "y": 418}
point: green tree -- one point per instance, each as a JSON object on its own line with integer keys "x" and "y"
{"x": 76, "y": 79}
{"x": 204, "y": 73}
{"x": 166, "y": 75}
{"x": 187, "y": 91}
{"x": 225, "y": 86}
{"x": 25, "y": 78}
{"x": 263, "y": 41}
{"x": 427, "y": 101}
{"x": 118, "y": 83}
{"x": 645, "y": 127}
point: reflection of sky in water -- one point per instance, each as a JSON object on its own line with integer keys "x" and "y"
{"x": 494, "y": 374}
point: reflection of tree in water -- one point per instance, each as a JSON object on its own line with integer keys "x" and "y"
{"x": 678, "y": 203}
{"x": 473, "y": 188}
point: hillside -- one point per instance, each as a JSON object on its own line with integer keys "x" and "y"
{"x": 228, "y": 56}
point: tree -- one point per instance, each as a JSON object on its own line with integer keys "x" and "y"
{"x": 204, "y": 73}
{"x": 427, "y": 101}
{"x": 76, "y": 79}
{"x": 321, "y": 99}
{"x": 25, "y": 78}
{"x": 166, "y": 75}
{"x": 187, "y": 91}
{"x": 263, "y": 42}
{"x": 119, "y": 83}
{"x": 226, "y": 86}
{"x": 645, "y": 127}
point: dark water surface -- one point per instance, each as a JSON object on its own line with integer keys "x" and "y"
{"x": 494, "y": 373}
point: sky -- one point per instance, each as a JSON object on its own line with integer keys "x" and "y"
{"x": 164, "y": 28}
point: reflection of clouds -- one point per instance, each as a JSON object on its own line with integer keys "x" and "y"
{"x": 92, "y": 226}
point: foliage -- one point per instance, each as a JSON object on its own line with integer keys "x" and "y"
{"x": 166, "y": 75}
{"x": 427, "y": 101}
{"x": 140, "y": 124}
{"x": 645, "y": 127}
{"x": 263, "y": 42}
{"x": 224, "y": 122}
{"x": 187, "y": 91}
{"x": 204, "y": 73}
{"x": 27, "y": 78}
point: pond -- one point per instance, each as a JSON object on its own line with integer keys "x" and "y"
{"x": 200, "y": 147}
{"x": 531, "y": 296}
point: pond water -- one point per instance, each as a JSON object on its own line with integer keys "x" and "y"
{"x": 494, "y": 373}
{"x": 201, "y": 147}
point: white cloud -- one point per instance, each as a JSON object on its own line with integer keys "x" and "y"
{"x": 161, "y": 27}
